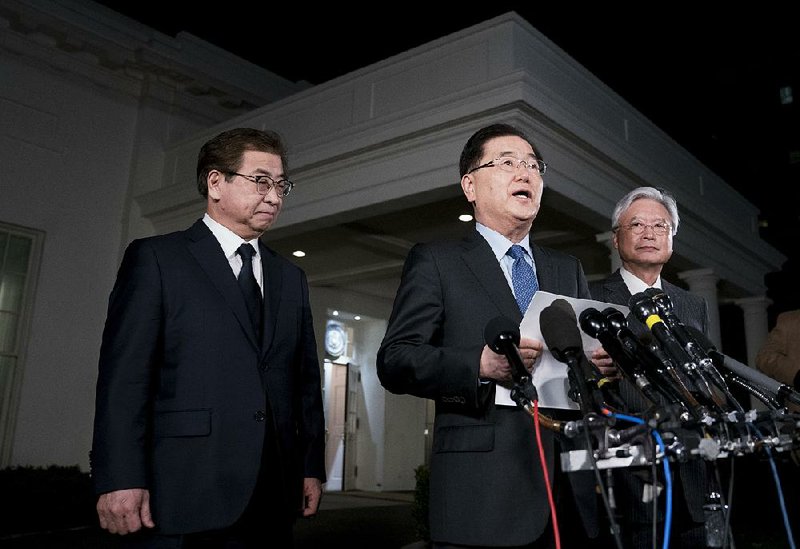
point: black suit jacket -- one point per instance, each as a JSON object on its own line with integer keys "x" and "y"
{"x": 692, "y": 310}
{"x": 185, "y": 390}
{"x": 486, "y": 483}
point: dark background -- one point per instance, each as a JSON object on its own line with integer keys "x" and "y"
{"x": 710, "y": 78}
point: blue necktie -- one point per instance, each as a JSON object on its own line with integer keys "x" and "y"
{"x": 249, "y": 285}
{"x": 522, "y": 277}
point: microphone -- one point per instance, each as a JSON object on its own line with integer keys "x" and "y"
{"x": 559, "y": 328}
{"x": 685, "y": 338}
{"x": 658, "y": 369}
{"x": 594, "y": 324}
{"x": 646, "y": 311}
{"x": 501, "y": 334}
{"x": 783, "y": 391}
{"x": 664, "y": 307}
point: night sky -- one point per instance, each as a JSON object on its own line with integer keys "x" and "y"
{"x": 711, "y": 80}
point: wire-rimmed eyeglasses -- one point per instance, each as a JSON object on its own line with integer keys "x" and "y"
{"x": 511, "y": 164}
{"x": 660, "y": 228}
{"x": 264, "y": 183}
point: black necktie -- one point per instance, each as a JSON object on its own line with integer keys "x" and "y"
{"x": 249, "y": 285}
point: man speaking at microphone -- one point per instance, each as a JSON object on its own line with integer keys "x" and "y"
{"x": 644, "y": 222}
{"x": 487, "y": 487}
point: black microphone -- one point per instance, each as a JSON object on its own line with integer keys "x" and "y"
{"x": 501, "y": 334}
{"x": 665, "y": 377}
{"x": 685, "y": 338}
{"x": 559, "y": 327}
{"x": 647, "y": 312}
{"x": 595, "y": 324}
{"x": 666, "y": 312}
{"x": 783, "y": 391}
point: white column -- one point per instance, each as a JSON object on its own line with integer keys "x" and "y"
{"x": 703, "y": 282}
{"x": 606, "y": 238}
{"x": 756, "y": 324}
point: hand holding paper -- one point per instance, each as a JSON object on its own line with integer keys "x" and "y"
{"x": 550, "y": 375}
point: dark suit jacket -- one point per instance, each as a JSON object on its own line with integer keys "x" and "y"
{"x": 692, "y": 310}
{"x": 185, "y": 390}
{"x": 486, "y": 483}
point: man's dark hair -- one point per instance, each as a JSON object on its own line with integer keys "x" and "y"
{"x": 473, "y": 149}
{"x": 224, "y": 152}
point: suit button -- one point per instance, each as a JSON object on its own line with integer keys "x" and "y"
{"x": 259, "y": 416}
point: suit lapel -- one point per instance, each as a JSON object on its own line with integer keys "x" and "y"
{"x": 208, "y": 253}
{"x": 615, "y": 290}
{"x": 273, "y": 285}
{"x": 480, "y": 260}
{"x": 546, "y": 273}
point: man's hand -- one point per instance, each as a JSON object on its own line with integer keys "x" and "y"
{"x": 312, "y": 495}
{"x": 125, "y": 511}
{"x": 495, "y": 365}
{"x": 604, "y": 364}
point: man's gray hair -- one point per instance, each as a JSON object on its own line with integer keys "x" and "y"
{"x": 659, "y": 195}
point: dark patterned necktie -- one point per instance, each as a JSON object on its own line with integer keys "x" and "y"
{"x": 522, "y": 277}
{"x": 249, "y": 285}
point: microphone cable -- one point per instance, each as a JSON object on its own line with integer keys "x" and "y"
{"x": 786, "y": 524}
{"x": 543, "y": 461}
{"x": 613, "y": 524}
{"x": 667, "y": 473}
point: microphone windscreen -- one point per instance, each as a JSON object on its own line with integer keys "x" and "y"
{"x": 500, "y": 325}
{"x": 559, "y": 326}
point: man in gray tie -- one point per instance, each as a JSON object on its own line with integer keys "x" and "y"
{"x": 487, "y": 486}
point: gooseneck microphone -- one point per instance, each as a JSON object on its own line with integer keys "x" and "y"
{"x": 559, "y": 327}
{"x": 501, "y": 334}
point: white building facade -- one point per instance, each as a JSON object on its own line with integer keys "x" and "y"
{"x": 101, "y": 122}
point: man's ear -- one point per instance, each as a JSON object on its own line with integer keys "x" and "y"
{"x": 214, "y": 179}
{"x": 468, "y": 186}
{"x": 614, "y": 240}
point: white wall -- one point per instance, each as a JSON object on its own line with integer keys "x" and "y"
{"x": 86, "y": 146}
{"x": 82, "y": 130}
{"x": 65, "y": 159}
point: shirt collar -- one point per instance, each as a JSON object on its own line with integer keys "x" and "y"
{"x": 228, "y": 240}
{"x": 499, "y": 243}
{"x": 635, "y": 284}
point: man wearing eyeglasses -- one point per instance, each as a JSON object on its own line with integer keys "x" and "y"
{"x": 487, "y": 486}
{"x": 209, "y": 428}
{"x": 644, "y": 222}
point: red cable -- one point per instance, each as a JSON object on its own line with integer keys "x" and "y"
{"x": 542, "y": 459}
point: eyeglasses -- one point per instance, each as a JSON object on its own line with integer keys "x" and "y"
{"x": 511, "y": 164}
{"x": 264, "y": 183}
{"x": 660, "y": 228}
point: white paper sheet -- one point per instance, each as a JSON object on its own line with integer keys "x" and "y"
{"x": 550, "y": 375}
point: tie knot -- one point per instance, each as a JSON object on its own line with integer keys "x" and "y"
{"x": 516, "y": 251}
{"x": 246, "y": 251}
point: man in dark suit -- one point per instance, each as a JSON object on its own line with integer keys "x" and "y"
{"x": 209, "y": 425}
{"x": 487, "y": 487}
{"x": 643, "y": 224}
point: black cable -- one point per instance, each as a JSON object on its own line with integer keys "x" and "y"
{"x": 614, "y": 525}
